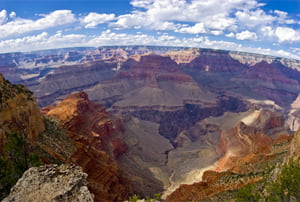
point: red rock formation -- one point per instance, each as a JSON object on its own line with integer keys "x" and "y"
{"x": 183, "y": 56}
{"x": 248, "y": 169}
{"x": 239, "y": 142}
{"x": 218, "y": 61}
{"x": 153, "y": 67}
{"x": 268, "y": 72}
{"x": 272, "y": 81}
{"x": 212, "y": 184}
{"x": 97, "y": 145}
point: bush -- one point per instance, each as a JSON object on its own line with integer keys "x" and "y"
{"x": 247, "y": 193}
{"x": 287, "y": 185}
{"x": 133, "y": 198}
{"x": 14, "y": 161}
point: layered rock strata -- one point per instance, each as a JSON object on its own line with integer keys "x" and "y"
{"x": 98, "y": 144}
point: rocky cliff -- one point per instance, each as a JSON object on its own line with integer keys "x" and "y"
{"x": 245, "y": 169}
{"x": 98, "y": 143}
{"x": 18, "y": 112}
{"x": 76, "y": 131}
{"x": 51, "y": 183}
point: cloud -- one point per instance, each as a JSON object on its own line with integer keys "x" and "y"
{"x": 111, "y": 38}
{"x": 206, "y": 15}
{"x": 267, "y": 31}
{"x": 287, "y": 35}
{"x": 3, "y": 16}
{"x": 281, "y": 34}
{"x": 283, "y": 17}
{"x": 251, "y": 19}
{"x": 231, "y": 35}
{"x": 12, "y": 14}
{"x": 94, "y": 19}
{"x": 246, "y": 35}
{"x": 191, "y": 21}
{"x": 196, "y": 29}
{"x": 108, "y": 37}
{"x": 42, "y": 41}
{"x": 219, "y": 23}
{"x": 214, "y": 17}
{"x": 129, "y": 21}
{"x": 20, "y": 26}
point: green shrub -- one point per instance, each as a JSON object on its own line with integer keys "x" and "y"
{"x": 247, "y": 193}
{"x": 133, "y": 198}
{"x": 14, "y": 161}
{"x": 286, "y": 187}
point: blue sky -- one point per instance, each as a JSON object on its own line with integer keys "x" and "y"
{"x": 262, "y": 26}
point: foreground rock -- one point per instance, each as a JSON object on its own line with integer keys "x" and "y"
{"x": 51, "y": 183}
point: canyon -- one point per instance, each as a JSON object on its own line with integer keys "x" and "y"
{"x": 189, "y": 123}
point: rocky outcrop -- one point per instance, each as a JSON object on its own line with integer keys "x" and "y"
{"x": 87, "y": 136}
{"x": 215, "y": 61}
{"x": 250, "y": 169}
{"x": 241, "y": 153}
{"x": 18, "y": 112}
{"x": 155, "y": 82}
{"x": 56, "y": 84}
{"x": 212, "y": 184}
{"x": 245, "y": 139}
{"x": 175, "y": 121}
{"x": 271, "y": 81}
{"x": 183, "y": 56}
{"x": 51, "y": 183}
{"x": 98, "y": 143}
{"x": 252, "y": 59}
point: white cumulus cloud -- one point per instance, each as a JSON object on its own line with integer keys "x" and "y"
{"x": 20, "y": 26}
{"x": 3, "y": 16}
{"x": 246, "y": 35}
{"x": 249, "y": 18}
{"x": 94, "y": 19}
{"x": 196, "y": 29}
{"x": 210, "y": 15}
{"x": 42, "y": 41}
{"x": 287, "y": 35}
{"x": 12, "y": 14}
{"x": 108, "y": 37}
{"x": 283, "y": 17}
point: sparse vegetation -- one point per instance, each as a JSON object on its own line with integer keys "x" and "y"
{"x": 247, "y": 193}
{"x": 285, "y": 187}
{"x": 135, "y": 198}
{"x": 14, "y": 161}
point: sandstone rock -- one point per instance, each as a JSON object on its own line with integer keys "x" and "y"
{"x": 183, "y": 56}
{"x": 241, "y": 152}
{"x": 252, "y": 59}
{"x": 249, "y": 169}
{"x": 97, "y": 138}
{"x": 51, "y": 183}
{"x": 215, "y": 61}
